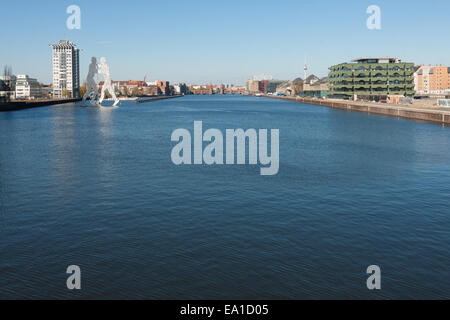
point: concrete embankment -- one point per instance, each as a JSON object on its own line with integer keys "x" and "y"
{"x": 151, "y": 99}
{"x": 20, "y": 105}
{"x": 409, "y": 112}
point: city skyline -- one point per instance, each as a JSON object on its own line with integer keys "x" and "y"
{"x": 188, "y": 42}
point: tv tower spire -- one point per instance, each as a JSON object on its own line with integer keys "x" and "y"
{"x": 305, "y": 69}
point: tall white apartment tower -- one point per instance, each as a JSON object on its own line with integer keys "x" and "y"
{"x": 66, "y": 70}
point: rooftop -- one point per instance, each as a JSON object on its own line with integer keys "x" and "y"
{"x": 377, "y": 60}
{"x": 63, "y": 44}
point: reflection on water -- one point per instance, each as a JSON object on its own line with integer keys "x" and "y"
{"x": 96, "y": 187}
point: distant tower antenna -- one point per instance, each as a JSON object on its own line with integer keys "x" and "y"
{"x": 305, "y": 69}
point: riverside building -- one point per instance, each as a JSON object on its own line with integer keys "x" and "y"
{"x": 66, "y": 70}
{"x": 27, "y": 88}
{"x": 371, "y": 79}
{"x": 432, "y": 80}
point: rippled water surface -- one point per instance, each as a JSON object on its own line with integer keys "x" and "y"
{"x": 96, "y": 188}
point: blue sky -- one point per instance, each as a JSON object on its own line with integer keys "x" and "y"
{"x": 222, "y": 41}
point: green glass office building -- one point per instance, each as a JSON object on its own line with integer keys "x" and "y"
{"x": 371, "y": 78}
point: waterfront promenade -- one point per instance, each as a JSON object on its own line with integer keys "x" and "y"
{"x": 401, "y": 111}
{"x": 28, "y": 104}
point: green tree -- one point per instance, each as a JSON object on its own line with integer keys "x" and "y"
{"x": 83, "y": 89}
{"x": 66, "y": 94}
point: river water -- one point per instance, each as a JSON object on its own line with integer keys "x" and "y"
{"x": 97, "y": 188}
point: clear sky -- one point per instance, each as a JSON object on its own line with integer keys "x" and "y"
{"x": 222, "y": 41}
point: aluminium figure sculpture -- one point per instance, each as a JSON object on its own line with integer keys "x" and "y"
{"x": 91, "y": 84}
{"x": 104, "y": 70}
